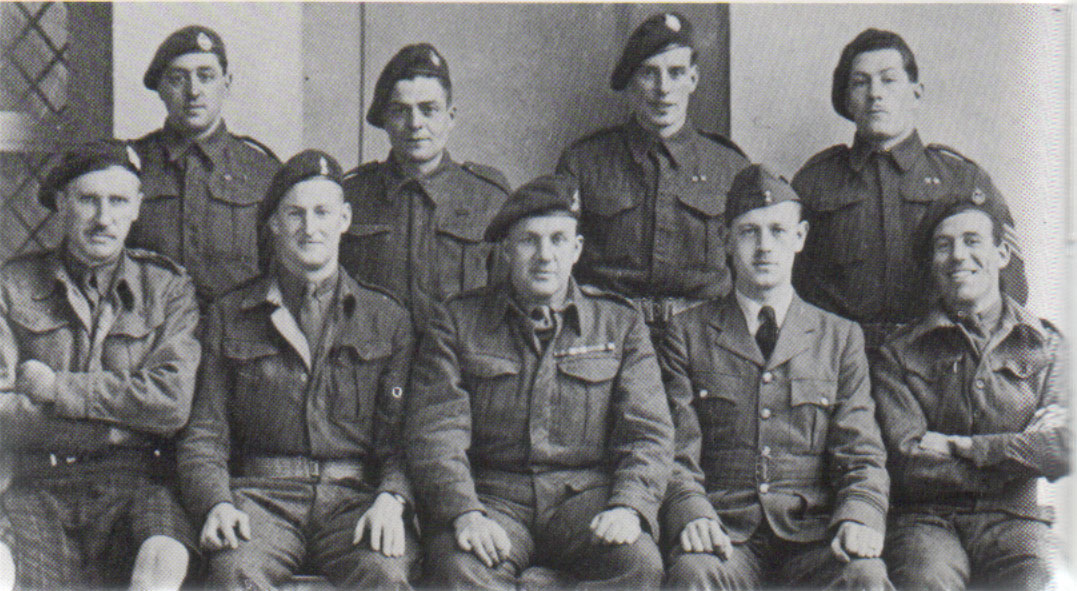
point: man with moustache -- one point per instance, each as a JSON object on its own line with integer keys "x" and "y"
{"x": 653, "y": 189}
{"x": 99, "y": 366}
{"x": 537, "y": 432}
{"x": 972, "y": 403}
{"x": 865, "y": 201}
{"x": 202, "y": 184}
{"x": 292, "y": 459}
{"x": 779, "y": 478}
{"x": 419, "y": 215}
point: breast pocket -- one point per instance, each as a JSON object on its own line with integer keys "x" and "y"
{"x": 491, "y": 381}
{"x": 129, "y": 341}
{"x": 355, "y": 380}
{"x": 461, "y": 257}
{"x": 839, "y": 224}
{"x": 811, "y": 402}
{"x": 42, "y": 331}
{"x": 612, "y": 218}
{"x": 158, "y": 225}
{"x": 580, "y": 410}
{"x": 718, "y": 402}
{"x": 265, "y": 389}
{"x": 1020, "y": 379}
{"x": 232, "y": 223}
{"x": 699, "y": 224}
{"x": 364, "y": 251}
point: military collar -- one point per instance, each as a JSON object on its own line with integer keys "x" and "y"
{"x": 267, "y": 290}
{"x": 575, "y": 314}
{"x": 294, "y": 288}
{"x": 124, "y": 279}
{"x": 431, "y": 183}
{"x": 679, "y": 147}
{"x": 1015, "y": 319}
{"x": 212, "y": 146}
{"x": 904, "y": 154}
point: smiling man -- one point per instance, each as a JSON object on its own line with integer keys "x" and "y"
{"x": 202, "y": 184}
{"x": 101, "y": 378}
{"x": 779, "y": 479}
{"x": 419, "y": 215}
{"x": 972, "y": 402}
{"x": 653, "y": 189}
{"x": 292, "y": 459}
{"x": 865, "y": 201}
{"x": 537, "y": 431}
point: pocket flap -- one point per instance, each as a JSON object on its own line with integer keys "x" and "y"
{"x": 468, "y": 228}
{"x": 37, "y": 316}
{"x": 246, "y": 350}
{"x": 714, "y": 385}
{"x": 489, "y": 366}
{"x": 703, "y": 198}
{"x": 1020, "y": 368}
{"x": 590, "y": 369}
{"x": 135, "y": 325}
{"x": 235, "y": 189}
{"x": 367, "y": 350}
{"x": 819, "y": 392}
{"x": 837, "y": 199}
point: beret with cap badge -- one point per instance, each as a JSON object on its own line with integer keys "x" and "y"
{"x": 85, "y": 158}
{"x": 420, "y": 59}
{"x": 756, "y": 186}
{"x": 654, "y": 35}
{"x": 189, "y": 39}
{"x": 546, "y": 194}
{"x": 305, "y": 165}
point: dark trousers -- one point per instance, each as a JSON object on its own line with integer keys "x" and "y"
{"x": 558, "y": 537}
{"x": 764, "y": 560}
{"x": 298, "y": 525}
{"x": 987, "y": 550}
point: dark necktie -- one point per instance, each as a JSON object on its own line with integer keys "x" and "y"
{"x": 310, "y": 317}
{"x": 543, "y": 323}
{"x": 767, "y": 334}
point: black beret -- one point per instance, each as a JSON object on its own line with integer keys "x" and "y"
{"x": 88, "y": 157}
{"x": 305, "y": 165}
{"x": 985, "y": 199}
{"x": 867, "y": 40}
{"x": 421, "y": 59}
{"x": 546, "y": 194}
{"x": 190, "y": 39}
{"x": 756, "y": 186}
{"x": 652, "y": 36}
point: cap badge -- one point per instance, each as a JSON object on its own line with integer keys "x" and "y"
{"x": 132, "y": 157}
{"x": 932, "y": 180}
{"x": 323, "y": 166}
{"x": 434, "y": 59}
{"x": 204, "y": 42}
{"x": 574, "y": 203}
{"x": 978, "y": 196}
{"x": 673, "y": 23}
{"x": 767, "y": 197}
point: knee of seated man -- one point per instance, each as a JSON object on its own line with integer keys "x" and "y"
{"x": 928, "y": 571}
{"x": 692, "y": 570}
{"x": 161, "y": 563}
{"x": 865, "y": 573}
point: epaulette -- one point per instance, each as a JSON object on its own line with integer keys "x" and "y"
{"x": 723, "y": 140}
{"x": 257, "y": 145}
{"x": 950, "y": 152}
{"x": 488, "y": 174}
{"x": 361, "y": 168}
{"x": 380, "y": 291}
{"x": 826, "y": 154}
{"x": 598, "y": 292}
{"x": 149, "y": 256}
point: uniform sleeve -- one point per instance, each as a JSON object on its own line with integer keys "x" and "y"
{"x": 855, "y": 451}
{"x": 806, "y": 266}
{"x": 438, "y": 426}
{"x": 686, "y": 498}
{"x": 155, "y": 398}
{"x": 204, "y": 446}
{"x": 388, "y": 444}
{"x": 641, "y": 438}
{"x": 1037, "y": 453}
{"x": 919, "y": 475}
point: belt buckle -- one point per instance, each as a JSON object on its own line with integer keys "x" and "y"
{"x": 314, "y": 469}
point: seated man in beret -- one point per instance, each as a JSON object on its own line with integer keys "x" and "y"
{"x": 419, "y": 215}
{"x": 99, "y": 369}
{"x": 972, "y": 404}
{"x": 779, "y": 478}
{"x": 537, "y": 432}
{"x": 292, "y": 459}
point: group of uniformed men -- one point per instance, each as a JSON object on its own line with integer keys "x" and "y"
{"x": 662, "y": 365}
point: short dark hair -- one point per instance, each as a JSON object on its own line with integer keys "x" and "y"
{"x": 867, "y": 40}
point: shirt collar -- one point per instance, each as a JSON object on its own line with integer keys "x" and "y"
{"x": 118, "y": 278}
{"x": 268, "y": 290}
{"x": 904, "y": 153}
{"x": 750, "y": 308}
{"x": 212, "y": 146}
{"x": 678, "y": 146}
{"x": 571, "y": 310}
{"x": 1015, "y": 319}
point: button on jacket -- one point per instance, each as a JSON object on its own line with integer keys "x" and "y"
{"x": 652, "y": 210}
{"x": 125, "y": 371}
{"x": 864, "y": 209}
{"x": 586, "y": 408}
{"x": 421, "y": 238}
{"x": 792, "y": 440}
{"x": 263, "y": 391}
{"x": 929, "y": 378}
{"x": 201, "y": 205}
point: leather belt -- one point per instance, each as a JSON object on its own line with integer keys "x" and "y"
{"x": 302, "y": 467}
{"x": 29, "y": 463}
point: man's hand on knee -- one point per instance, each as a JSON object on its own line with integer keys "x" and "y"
{"x": 223, "y": 523}
{"x": 619, "y": 525}
{"x": 483, "y": 537}
{"x": 706, "y": 535}
{"x": 855, "y": 540}
{"x": 385, "y": 519}
{"x": 161, "y": 564}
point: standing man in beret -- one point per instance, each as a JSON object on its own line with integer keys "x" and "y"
{"x": 537, "y": 432}
{"x": 780, "y": 476}
{"x": 865, "y": 201}
{"x": 653, "y": 189}
{"x": 419, "y": 216}
{"x": 202, "y": 184}
{"x": 973, "y": 407}
{"x": 102, "y": 376}
{"x": 292, "y": 458}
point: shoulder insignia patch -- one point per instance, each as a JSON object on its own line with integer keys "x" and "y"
{"x": 258, "y": 146}
{"x": 488, "y": 174}
{"x": 149, "y": 256}
{"x": 827, "y": 154}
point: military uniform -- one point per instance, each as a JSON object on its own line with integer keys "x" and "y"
{"x": 974, "y": 515}
{"x": 864, "y": 208}
{"x": 539, "y": 438}
{"x": 421, "y": 238}
{"x": 87, "y": 486}
{"x": 201, "y": 204}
